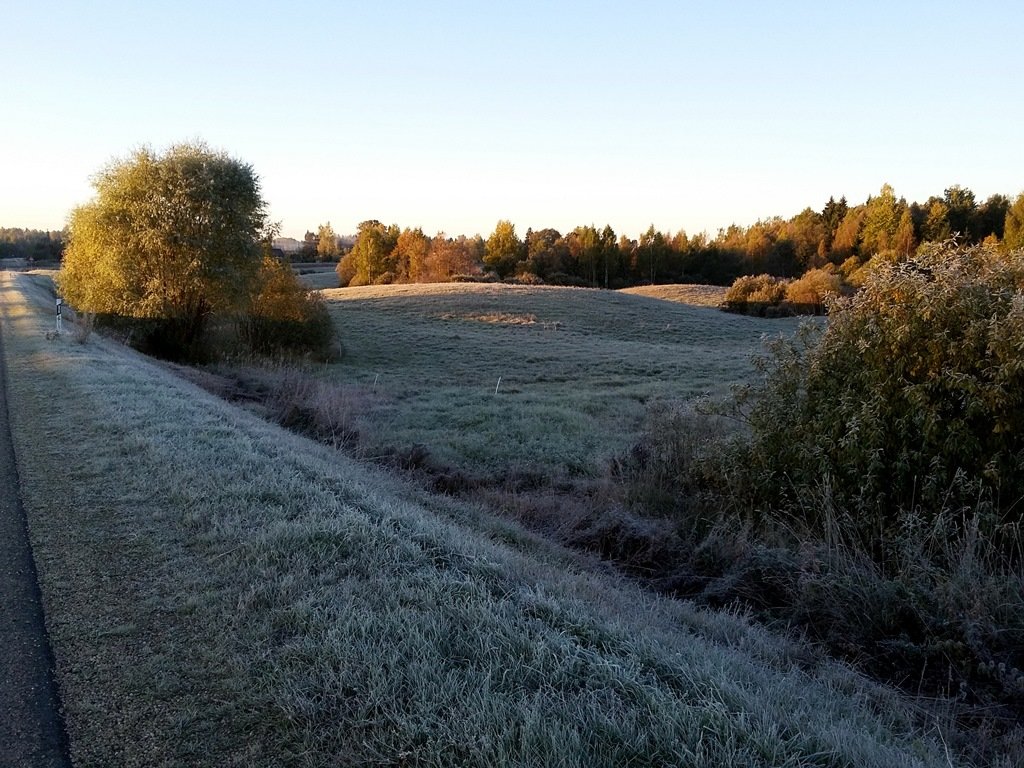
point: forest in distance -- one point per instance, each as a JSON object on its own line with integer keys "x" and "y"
{"x": 842, "y": 235}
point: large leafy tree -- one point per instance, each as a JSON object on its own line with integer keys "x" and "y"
{"x": 652, "y": 252}
{"x": 171, "y": 237}
{"x": 847, "y": 235}
{"x": 373, "y": 256}
{"x": 881, "y": 220}
{"x": 504, "y": 250}
{"x": 546, "y": 252}
{"x": 411, "y": 251}
{"x": 584, "y": 245}
{"x": 327, "y": 243}
{"x": 806, "y": 232}
{"x": 962, "y": 207}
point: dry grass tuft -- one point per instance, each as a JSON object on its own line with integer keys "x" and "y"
{"x": 498, "y": 318}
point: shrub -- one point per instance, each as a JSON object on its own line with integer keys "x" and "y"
{"x": 525, "y": 278}
{"x": 487, "y": 277}
{"x": 753, "y": 294}
{"x": 285, "y": 317}
{"x": 346, "y": 270}
{"x": 572, "y": 281}
{"x": 912, "y": 395}
{"x": 871, "y": 496}
{"x": 808, "y": 294}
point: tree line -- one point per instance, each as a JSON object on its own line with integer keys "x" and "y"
{"x": 840, "y": 234}
{"x": 31, "y": 244}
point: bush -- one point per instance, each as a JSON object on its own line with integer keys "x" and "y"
{"x": 809, "y": 293}
{"x": 285, "y": 317}
{"x": 911, "y": 396}
{"x": 487, "y": 277}
{"x": 567, "y": 280}
{"x": 525, "y": 278}
{"x": 871, "y": 495}
{"x": 346, "y": 270}
{"x": 755, "y": 294}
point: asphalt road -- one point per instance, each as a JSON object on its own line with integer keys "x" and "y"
{"x": 31, "y": 729}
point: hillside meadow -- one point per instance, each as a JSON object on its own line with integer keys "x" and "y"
{"x": 693, "y": 295}
{"x": 578, "y": 368}
{"x": 220, "y": 591}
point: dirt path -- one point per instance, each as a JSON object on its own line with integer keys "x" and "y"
{"x": 31, "y": 729}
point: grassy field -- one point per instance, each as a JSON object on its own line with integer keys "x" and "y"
{"x": 694, "y": 295}
{"x": 317, "y": 276}
{"x": 222, "y": 592}
{"x": 578, "y": 368}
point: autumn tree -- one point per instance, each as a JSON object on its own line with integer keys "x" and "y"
{"x": 881, "y": 220}
{"x": 584, "y": 244}
{"x": 609, "y": 253}
{"x": 411, "y": 251}
{"x": 285, "y": 317}
{"x": 327, "y": 243}
{"x": 452, "y": 256}
{"x": 1013, "y": 229}
{"x": 806, "y": 232}
{"x": 652, "y": 253}
{"x": 847, "y": 236}
{"x": 171, "y": 238}
{"x": 935, "y": 226}
{"x": 504, "y": 250}
{"x": 904, "y": 241}
{"x": 372, "y": 258}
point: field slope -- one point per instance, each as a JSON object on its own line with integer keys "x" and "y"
{"x": 578, "y": 369}
{"x": 684, "y": 293}
{"x": 221, "y": 592}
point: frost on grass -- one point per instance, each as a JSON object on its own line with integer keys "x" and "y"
{"x": 276, "y": 604}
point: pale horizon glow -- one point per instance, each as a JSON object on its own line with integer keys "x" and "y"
{"x": 452, "y": 116}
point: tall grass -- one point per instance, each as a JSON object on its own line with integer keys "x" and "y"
{"x": 221, "y": 592}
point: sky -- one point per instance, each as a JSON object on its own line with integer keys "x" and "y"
{"x": 452, "y": 115}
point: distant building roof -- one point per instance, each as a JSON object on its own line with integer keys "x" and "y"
{"x": 287, "y": 244}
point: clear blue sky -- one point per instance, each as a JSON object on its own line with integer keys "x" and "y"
{"x": 452, "y": 115}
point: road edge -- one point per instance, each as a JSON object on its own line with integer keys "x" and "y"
{"x": 33, "y": 732}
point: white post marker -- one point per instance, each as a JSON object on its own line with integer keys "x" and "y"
{"x": 60, "y": 303}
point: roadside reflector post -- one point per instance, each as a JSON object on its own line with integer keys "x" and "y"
{"x": 60, "y": 304}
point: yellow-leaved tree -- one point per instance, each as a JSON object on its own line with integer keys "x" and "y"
{"x": 170, "y": 239}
